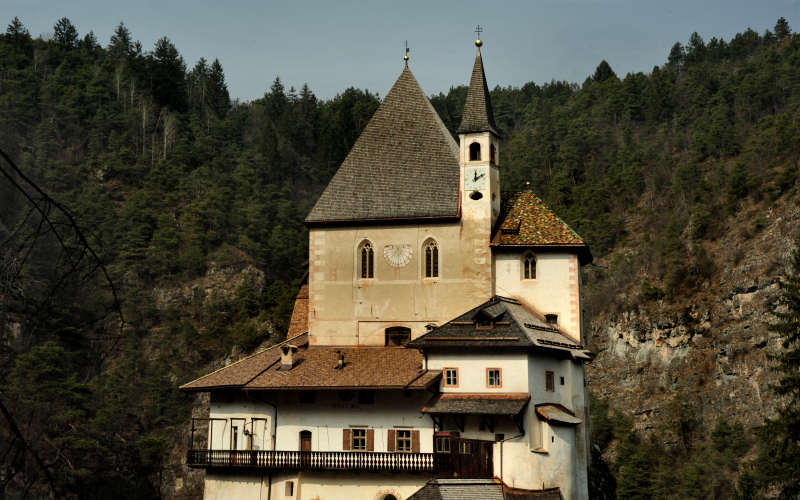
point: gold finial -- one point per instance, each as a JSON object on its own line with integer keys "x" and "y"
{"x": 405, "y": 57}
{"x": 478, "y": 31}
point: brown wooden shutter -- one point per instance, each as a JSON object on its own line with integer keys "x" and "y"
{"x": 370, "y": 439}
{"x": 390, "y": 440}
{"x": 346, "y": 439}
{"x": 415, "y": 441}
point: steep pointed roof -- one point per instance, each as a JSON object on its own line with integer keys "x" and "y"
{"x": 478, "y": 115}
{"x": 403, "y": 166}
{"x": 525, "y": 221}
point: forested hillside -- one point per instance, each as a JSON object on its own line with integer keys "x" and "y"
{"x": 167, "y": 237}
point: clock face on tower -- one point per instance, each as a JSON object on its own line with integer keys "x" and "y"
{"x": 474, "y": 178}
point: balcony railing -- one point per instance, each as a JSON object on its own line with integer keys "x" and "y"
{"x": 317, "y": 460}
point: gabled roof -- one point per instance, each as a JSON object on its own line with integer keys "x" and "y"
{"x": 403, "y": 166}
{"x": 478, "y": 115}
{"x": 316, "y": 368}
{"x": 364, "y": 368}
{"x": 514, "y": 326}
{"x": 525, "y": 221}
{"x": 243, "y": 371}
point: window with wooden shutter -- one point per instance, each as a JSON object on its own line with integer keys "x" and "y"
{"x": 415, "y": 441}
{"x": 370, "y": 439}
{"x": 346, "y": 439}
{"x": 390, "y": 440}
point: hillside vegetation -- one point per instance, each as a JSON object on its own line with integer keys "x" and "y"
{"x": 194, "y": 205}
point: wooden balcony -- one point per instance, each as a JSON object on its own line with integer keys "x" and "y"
{"x": 317, "y": 460}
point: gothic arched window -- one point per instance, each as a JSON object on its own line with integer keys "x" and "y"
{"x": 367, "y": 260}
{"x": 529, "y": 266}
{"x": 474, "y": 151}
{"x": 431, "y": 259}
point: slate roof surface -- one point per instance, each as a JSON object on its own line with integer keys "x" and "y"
{"x": 241, "y": 372}
{"x": 478, "y": 115}
{"x": 526, "y": 221}
{"x": 477, "y": 404}
{"x": 403, "y": 166}
{"x": 515, "y": 327}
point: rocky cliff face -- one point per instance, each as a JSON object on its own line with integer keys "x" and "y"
{"x": 704, "y": 354}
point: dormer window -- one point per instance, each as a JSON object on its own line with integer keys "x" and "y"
{"x": 474, "y": 152}
{"x": 551, "y": 319}
{"x": 492, "y": 154}
{"x": 397, "y": 336}
{"x": 529, "y": 266}
{"x": 367, "y": 258}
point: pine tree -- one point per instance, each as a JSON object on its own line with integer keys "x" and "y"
{"x": 120, "y": 46}
{"x": 779, "y": 458}
{"x": 16, "y": 29}
{"x": 65, "y": 34}
{"x": 676, "y": 56}
{"x": 782, "y": 29}
{"x": 603, "y": 72}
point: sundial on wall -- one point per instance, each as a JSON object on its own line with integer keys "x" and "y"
{"x": 397, "y": 255}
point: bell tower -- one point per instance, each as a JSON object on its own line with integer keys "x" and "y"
{"x": 479, "y": 145}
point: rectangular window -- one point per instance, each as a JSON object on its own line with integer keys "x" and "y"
{"x": 562, "y": 380}
{"x": 442, "y": 444}
{"x": 451, "y": 377}
{"x": 549, "y": 381}
{"x": 463, "y": 447}
{"x": 359, "y": 440}
{"x": 551, "y": 319}
{"x": 403, "y": 440}
{"x": 493, "y": 378}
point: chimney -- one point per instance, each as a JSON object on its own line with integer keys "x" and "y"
{"x": 287, "y": 356}
{"x": 340, "y": 360}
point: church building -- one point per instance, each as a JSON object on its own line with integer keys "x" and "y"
{"x": 437, "y": 350}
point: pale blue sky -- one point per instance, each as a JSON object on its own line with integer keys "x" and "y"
{"x": 333, "y": 45}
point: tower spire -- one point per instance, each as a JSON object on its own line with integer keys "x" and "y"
{"x": 478, "y": 115}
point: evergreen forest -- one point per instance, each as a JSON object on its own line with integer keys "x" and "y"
{"x": 128, "y": 177}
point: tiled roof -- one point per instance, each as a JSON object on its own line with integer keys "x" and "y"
{"x": 526, "y": 221}
{"x": 299, "y": 322}
{"x": 459, "y": 489}
{"x": 478, "y": 115}
{"x": 403, "y": 166}
{"x": 315, "y": 368}
{"x": 243, "y": 371}
{"x": 515, "y": 326}
{"x": 364, "y": 368}
{"x": 477, "y": 404}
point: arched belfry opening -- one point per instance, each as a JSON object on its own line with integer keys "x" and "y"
{"x": 493, "y": 154}
{"x": 474, "y": 151}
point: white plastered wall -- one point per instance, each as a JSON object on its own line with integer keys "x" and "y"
{"x": 556, "y": 289}
{"x": 472, "y": 370}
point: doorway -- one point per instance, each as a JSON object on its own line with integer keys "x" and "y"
{"x": 305, "y": 448}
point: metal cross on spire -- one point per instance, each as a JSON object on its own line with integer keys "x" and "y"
{"x": 478, "y": 31}
{"x": 405, "y": 56}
